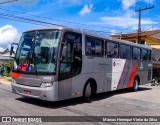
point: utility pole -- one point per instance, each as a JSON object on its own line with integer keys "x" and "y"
{"x": 120, "y": 36}
{"x": 139, "y": 21}
{"x": 9, "y": 1}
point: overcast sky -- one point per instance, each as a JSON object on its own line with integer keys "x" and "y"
{"x": 110, "y": 16}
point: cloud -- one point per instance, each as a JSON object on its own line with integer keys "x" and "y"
{"x": 8, "y": 35}
{"x": 73, "y": 2}
{"x": 128, "y": 3}
{"x": 113, "y": 31}
{"x": 1, "y": 49}
{"x": 22, "y": 2}
{"x": 125, "y": 22}
{"x": 129, "y": 13}
{"x": 86, "y": 9}
{"x": 149, "y": 1}
{"x": 27, "y": 2}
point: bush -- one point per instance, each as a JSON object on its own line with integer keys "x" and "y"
{"x": 10, "y": 64}
{"x": 6, "y": 74}
{"x": 156, "y": 78}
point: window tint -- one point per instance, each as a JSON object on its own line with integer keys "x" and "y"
{"x": 71, "y": 55}
{"x": 144, "y": 54}
{"x": 112, "y": 50}
{"x": 136, "y": 53}
{"x": 125, "y": 52}
{"x": 67, "y": 52}
{"x": 93, "y": 46}
{"x": 149, "y": 55}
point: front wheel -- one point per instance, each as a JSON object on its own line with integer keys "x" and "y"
{"x": 135, "y": 85}
{"x": 87, "y": 92}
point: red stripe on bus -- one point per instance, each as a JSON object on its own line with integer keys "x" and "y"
{"x": 131, "y": 78}
{"x": 15, "y": 75}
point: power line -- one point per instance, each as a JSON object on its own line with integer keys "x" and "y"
{"x": 151, "y": 27}
{"x": 48, "y": 23}
{"x": 10, "y": 1}
{"x": 24, "y": 21}
{"x": 37, "y": 22}
{"x": 43, "y": 17}
{"x": 27, "y": 19}
{"x": 69, "y": 22}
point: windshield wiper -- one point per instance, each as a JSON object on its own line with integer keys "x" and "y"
{"x": 35, "y": 67}
{"x": 34, "y": 56}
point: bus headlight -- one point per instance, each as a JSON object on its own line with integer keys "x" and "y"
{"x": 46, "y": 84}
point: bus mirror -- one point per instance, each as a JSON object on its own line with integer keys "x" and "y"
{"x": 12, "y": 50}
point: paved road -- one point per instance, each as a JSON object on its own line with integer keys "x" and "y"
{"x": 145, "y": 102}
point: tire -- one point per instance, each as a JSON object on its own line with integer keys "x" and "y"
{"x": 135, "y": 85}
{"x": 87, "y": 92}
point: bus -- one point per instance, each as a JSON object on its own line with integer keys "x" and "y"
{"x": 61, "y": 63}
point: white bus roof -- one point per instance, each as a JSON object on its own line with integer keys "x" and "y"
{"x": 94, "y": 34}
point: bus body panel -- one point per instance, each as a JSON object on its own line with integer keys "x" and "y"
{"x": 34, "y": 80}
{"x": 48, "y": 93}
{"x": 64, "y": 89}
{"x": 93, "y": 69}
{"x": 145, "y": 71}
{"x": 109, "y": 74}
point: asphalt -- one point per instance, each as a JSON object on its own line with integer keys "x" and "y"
{"x": 145, "y": 102}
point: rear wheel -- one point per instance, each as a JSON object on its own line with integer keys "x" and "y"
{"x": 87, "y": 92}
{"x": 135, "y": 85}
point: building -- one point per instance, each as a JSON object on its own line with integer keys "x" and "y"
{"x": 152, "y": 38}
{"x": 4, "y": 57}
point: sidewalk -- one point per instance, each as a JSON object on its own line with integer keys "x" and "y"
{"x": 5, "y": 80}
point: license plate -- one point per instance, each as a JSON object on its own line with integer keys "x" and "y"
{"x": 27, "y": 92}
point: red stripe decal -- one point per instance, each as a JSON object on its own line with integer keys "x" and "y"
{"x": 131, "y": 78}
{"x": 15, "y": 75}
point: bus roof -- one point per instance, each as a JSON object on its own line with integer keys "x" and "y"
{"x": 94, "y": 34}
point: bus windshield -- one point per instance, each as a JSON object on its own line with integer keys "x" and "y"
{"x": 37, "y": 51}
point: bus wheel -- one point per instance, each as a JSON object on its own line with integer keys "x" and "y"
{"x": 87, "y": 92}
{"x": 135, "y": 85}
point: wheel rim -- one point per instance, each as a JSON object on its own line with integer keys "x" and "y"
{"x": 136, "y": 84}
{"x": 88, "y": 92}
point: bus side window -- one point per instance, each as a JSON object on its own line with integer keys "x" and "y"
{"x": 71, "y": 55}
{"x": 136, "y": 53}
{"x": 125, "y": 52}
{"x": 67, "y": 51}
{"x": 94, "y": 46}
{"x": 144, "y": 53}
{"x": 149, "y": 55}
{"x": 112, "y": 50}
{"x": 66, "y": 58}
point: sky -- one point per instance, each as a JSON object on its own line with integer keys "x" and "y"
{"x": 104, "y": 16}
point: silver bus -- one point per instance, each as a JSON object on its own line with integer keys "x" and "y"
{"x": 61, "y": 63}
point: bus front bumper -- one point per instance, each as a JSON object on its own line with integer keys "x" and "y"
{"x": 43, "y": 93}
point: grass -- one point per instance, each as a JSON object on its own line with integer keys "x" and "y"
{"x": 6, "y": 74}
